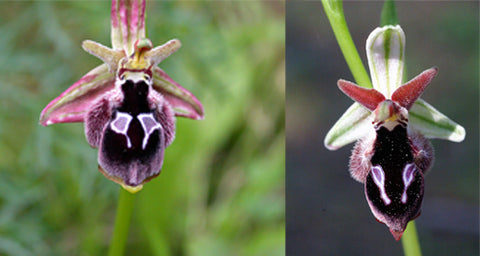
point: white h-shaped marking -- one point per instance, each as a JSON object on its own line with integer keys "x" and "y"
{"x": 122, "y": 121}
{"x": 407, "y": 176}
{"x": 379, "y": 178}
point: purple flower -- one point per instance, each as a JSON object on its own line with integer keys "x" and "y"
{"x": 128, "y": 104}
{"x": 390, "y": 123}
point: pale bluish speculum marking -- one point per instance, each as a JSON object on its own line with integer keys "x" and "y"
{"x": 149, "y": 125}
{"x": 407, "y": 176}
{"x": 120, "y": 125}
{"x": 379, "y": 178}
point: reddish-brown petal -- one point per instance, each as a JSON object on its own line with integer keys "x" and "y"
{"x": 369, "y": 98}
{"x": 407, "y": 94}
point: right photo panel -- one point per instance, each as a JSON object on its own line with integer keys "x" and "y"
{"x": 382, "y": 125}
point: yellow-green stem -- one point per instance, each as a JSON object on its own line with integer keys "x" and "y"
{"x": 126, "y": 202}
{"x": 411, "y": 246}
{"x": 334, "y": 11}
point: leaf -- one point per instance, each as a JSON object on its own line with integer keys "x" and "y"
{"x": 389, "y": 14}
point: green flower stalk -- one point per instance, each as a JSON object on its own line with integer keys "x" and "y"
{"x": 334, "y": 11}
{"x": 125, "y": 207}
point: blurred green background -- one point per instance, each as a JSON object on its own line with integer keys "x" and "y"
{"x": 221, "y": 191}
{"x": 327, "y": 213}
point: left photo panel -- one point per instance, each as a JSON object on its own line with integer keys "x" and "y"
{"x": 133, "y": 127}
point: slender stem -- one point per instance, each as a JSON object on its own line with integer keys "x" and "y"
{"x": 334, "y": 11}
{"x": 126, "y": 202}
{"x": 411, "y": 246}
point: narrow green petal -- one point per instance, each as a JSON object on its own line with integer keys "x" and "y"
{"x": 385, "y": 53}
{"x": 159, "y": 53}
{"x": 107, "y": 55}
{"x": 352, "y": 125}
{"x": 433, "y": 124}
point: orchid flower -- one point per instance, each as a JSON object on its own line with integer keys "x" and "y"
{"x": 128, "y": 104}
{"x": 390, "y": 124}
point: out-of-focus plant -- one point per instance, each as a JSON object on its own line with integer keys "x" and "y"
{"x": 225, "y": 195}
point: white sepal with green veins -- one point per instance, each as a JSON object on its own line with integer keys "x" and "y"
{"x": 385, "y": 52}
